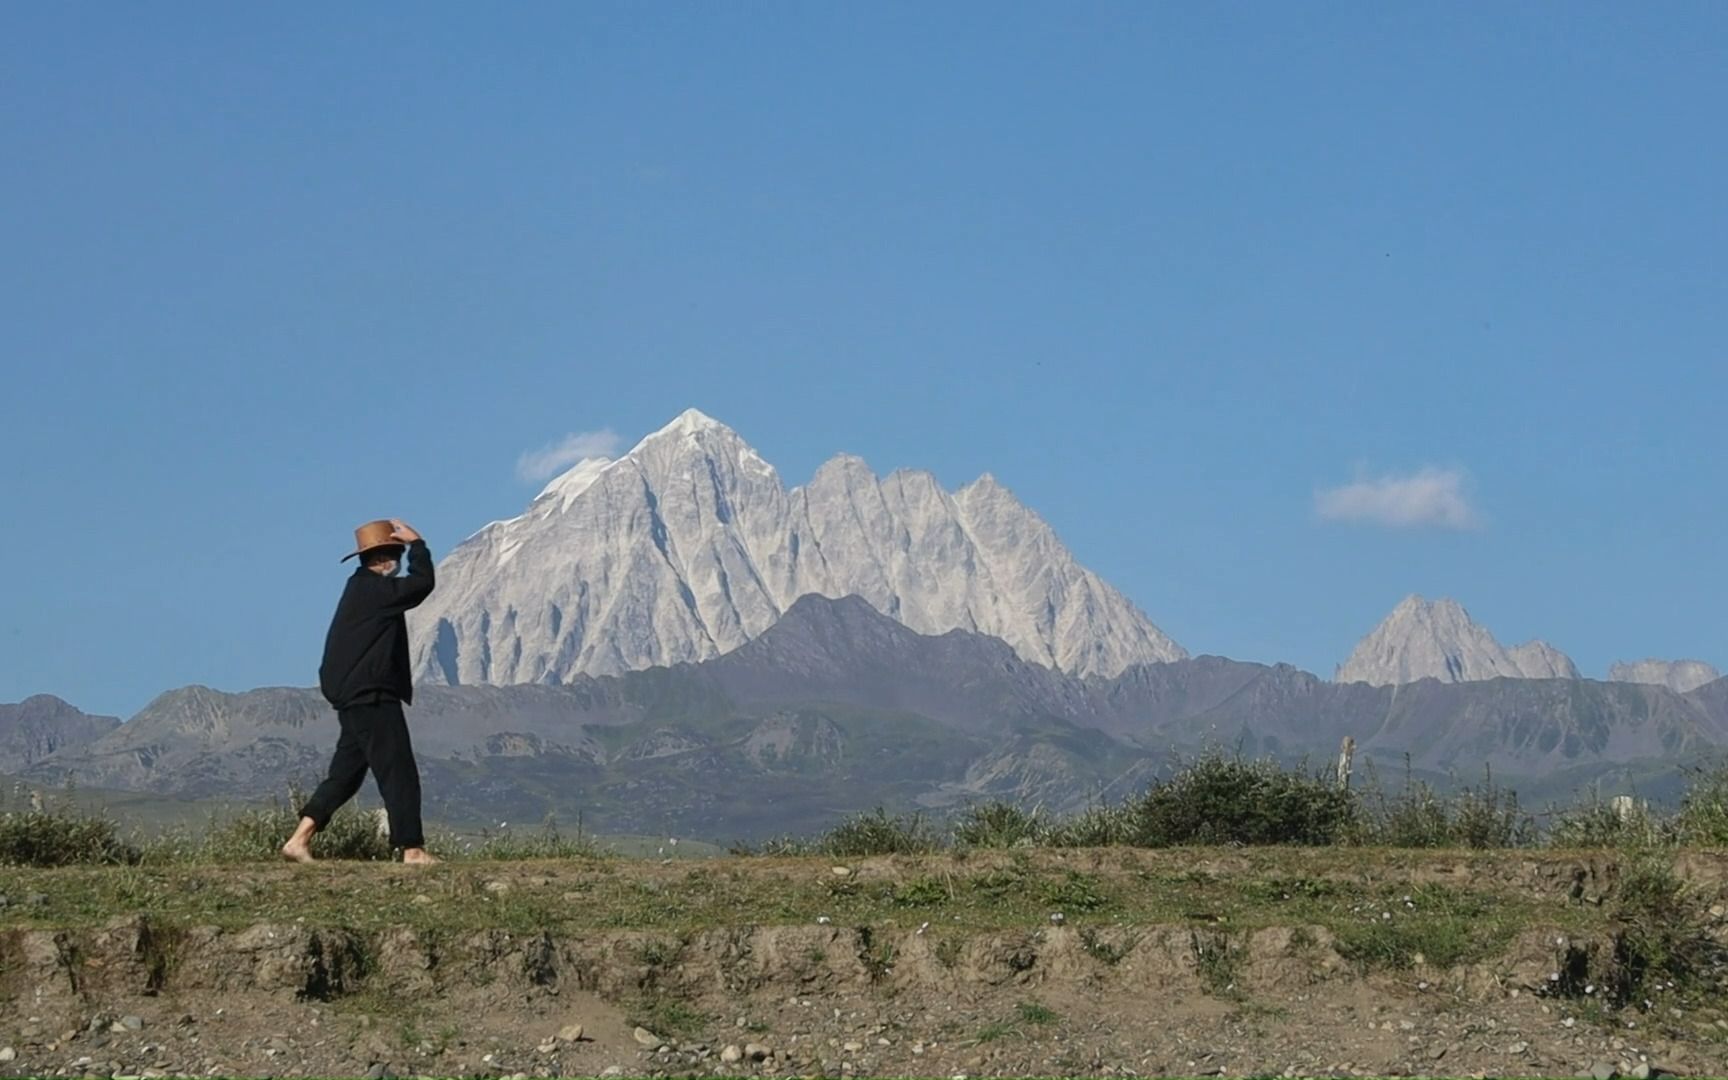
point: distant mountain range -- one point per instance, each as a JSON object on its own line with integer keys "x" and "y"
{"x": 674, "y": 641}
{"x": 837, "y": 708}
{"x": 1437, "y": 639}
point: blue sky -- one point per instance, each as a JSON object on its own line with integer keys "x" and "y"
{"x": 1179, "y": 275}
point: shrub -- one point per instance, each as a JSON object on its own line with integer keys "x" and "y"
{"x": 999, "y": 825}
{"x": 258, "y": 833}
{"x": 1703, "y": 817}
{"x": 1416, "y": 818}
{"x": 1219, "y": 799}
{"x": 1597, "y": 824}
{"x": 876, "y": 833}
{"x": 1218, "y": 960}
{"x": 60, "y": 838}
{"x": 1421, "y": 817}
{"x": 1076, "y": 892}
{"x": 1096, "y": 826}
{"x": 773, "y": 846}
{"x": 1489, "y": 817}
{"x": 1662, "y": 939}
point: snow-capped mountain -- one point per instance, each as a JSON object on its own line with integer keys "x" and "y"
{"x": 689, "y": 546}
{"x": 1677, "y": 675}
{"x": 1437, "y": 639}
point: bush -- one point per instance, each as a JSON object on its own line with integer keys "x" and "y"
{"x": 774, "y": 846}
{"x": 1662, "y": 942}
{"x": 1703, "y": 817}
{"x": 1226, "y": 800}
{"x": 876, "y": 833}
{"x": 56, "y": 838}
{"x": 1597, "y": 824}
{"x": 258, "y": 833}
{"x": 1096, "y": 826}
{"x": 1420, "y": 817}
{"x": 1000, "y": 825}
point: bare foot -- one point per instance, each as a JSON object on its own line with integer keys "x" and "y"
{"x": 297, "y": 850}
{"x": 418, "y": 856}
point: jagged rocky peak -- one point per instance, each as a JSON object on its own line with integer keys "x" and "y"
{"x": 689, "y": 545}
{"x": 1437, "y": 639}
{"x": 1540, "y": 660}
{"x": 1681, "y": 676}
{"x": 43, "y": 724}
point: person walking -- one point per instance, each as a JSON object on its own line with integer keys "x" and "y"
{"x": 366, "y": 679}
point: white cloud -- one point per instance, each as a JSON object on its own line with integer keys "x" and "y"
{"x": 553, "y": 458}
{"x": 1429, "y": 499}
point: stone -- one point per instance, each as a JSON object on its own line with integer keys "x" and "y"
{"x": 731, "y": 1055}
{"x": 570, "y": 1033}
{"x": 378, "y": 1072}
{"x": 1518, "y": 1047}
{"x": 842, "y": 871}
{"x": 1641, "y": 1071}
{"x": 497, "y": 888}
{"x": 756, "y": 1051}
{"x": 1604, "y": 1070}
{"x": 646, "y": 1038}
{"x": 8, "y": 1054}
{"x": 852, "y": 1047}
{"x": 611, "y": 1071}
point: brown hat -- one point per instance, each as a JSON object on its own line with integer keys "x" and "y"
{"x": 373, "y": 534}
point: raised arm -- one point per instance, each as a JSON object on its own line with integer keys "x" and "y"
{"x": 411, "y": 589}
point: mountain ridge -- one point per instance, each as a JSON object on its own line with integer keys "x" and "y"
{"x": 840, "y": 708}
{"x": 1437, "y": 639}
{"x": 690, "y": 545}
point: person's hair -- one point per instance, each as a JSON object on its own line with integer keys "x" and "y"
{"x": 381, "y": 554}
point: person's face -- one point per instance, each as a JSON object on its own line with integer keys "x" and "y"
{"x": 384, "y": 562}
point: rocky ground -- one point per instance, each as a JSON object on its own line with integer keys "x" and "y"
{"x": 1124, "y": 964}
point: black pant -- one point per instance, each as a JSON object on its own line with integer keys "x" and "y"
{"x": 376, "y": 737}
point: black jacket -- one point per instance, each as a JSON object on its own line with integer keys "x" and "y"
{"x": 366, "y": 651}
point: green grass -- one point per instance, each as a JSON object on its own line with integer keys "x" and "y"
{"x": 1347, "y": 892}
{"x": 669, "y": 1017}
{"x": 1218, "y": 959}
{"x": 1432, "y": 926}
{"x": 1106, "y": 952}
{"x": 1381, "y": 907}
{"x": 1032, "y": 1012}
{"x": 1028, "y": 1015}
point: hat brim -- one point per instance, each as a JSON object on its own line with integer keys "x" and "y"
{"x": 374, "y": 547}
